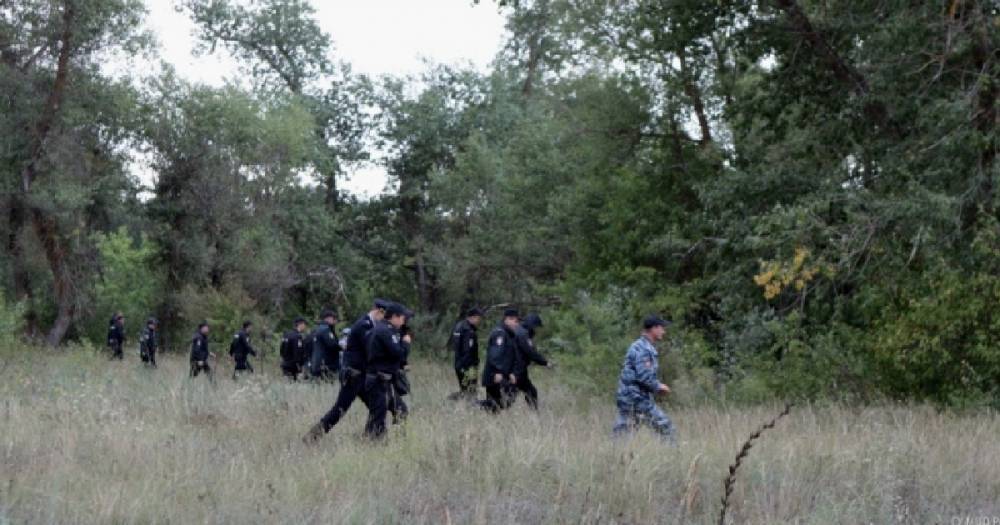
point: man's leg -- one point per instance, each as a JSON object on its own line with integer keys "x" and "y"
{"x": 349, "y": 391}
{"x": 377, "y": 408}
{"x": 659, "y": 420}
{"x": 494, "y": 398}
{"x": 625, "y": 421}
{"x": 530, "y": 392}
{"x": 152, "y": 358}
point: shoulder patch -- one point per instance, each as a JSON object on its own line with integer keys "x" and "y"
{"x": 500, "y": 341}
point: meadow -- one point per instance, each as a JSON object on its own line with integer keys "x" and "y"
{"x": 87, "y": 440}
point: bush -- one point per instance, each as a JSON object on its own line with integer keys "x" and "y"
{"x": 11, "y": 321}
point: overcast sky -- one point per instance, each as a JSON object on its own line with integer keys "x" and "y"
{"x": 375, "y": 36}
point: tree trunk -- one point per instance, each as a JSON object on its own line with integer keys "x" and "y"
{"x": 693, "y": 93}
{"x": 45, "y": 227}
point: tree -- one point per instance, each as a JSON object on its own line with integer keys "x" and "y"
{"x": 61, "y": 131}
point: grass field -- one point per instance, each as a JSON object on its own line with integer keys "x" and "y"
{"x": 85, "y": 440}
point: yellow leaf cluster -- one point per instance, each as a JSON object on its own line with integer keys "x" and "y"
{"x": 776, "y": 276}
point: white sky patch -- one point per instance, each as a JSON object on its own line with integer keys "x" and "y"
{"x": 376, "y": 37}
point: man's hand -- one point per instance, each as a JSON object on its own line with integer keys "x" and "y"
{"x": 498, "y": 378}
{"x": 663, "y": 389}
{"x": 513, "y": 379}
{"x": 407, "y": 339}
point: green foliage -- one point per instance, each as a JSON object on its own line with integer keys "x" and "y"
{"x": 129, "y": 282}
{"x": 11, "y": 322}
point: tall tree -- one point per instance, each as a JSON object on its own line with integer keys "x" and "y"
{"x": 50, "y": 54}
{"x": 283, "y": 49}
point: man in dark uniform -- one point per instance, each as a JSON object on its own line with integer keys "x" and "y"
{"x": 325, "y": 360}
{"x": 388, "y": 350}
{"x": 352, "y": 378}
{"x": 526, "y": 355}
{"x": 240, "y": 349}
{"x": 400, "y": 382}
{"x": 200, "y": 352}
{"x": 148, "y": 342}
{"x": 465, "y": 345}
{"x": 293, "y": 350}
{"x": 116, "y": 335}
{"x": 498, "y": 374}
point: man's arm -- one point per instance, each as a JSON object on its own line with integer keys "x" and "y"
{"x": 528, "y": 351}
{"x": 645, "y": 370}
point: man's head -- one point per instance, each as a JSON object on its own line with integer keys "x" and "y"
{"x": 655, "y": 327}
{"x": 378, "y": 309}
{"x": 119, "y": 318}
{"x": 532, "y": 322}
{"x": 328, "y": 317}
{"x": 395, "y": 313}
{"x": 474, "y": 316}
{"x": 203, "y": 327}
{"x": 152, "y": 323}
{"x": 247, "y": 326}
{"x": 300, "y": 324}
{"x": 511, "y": 317}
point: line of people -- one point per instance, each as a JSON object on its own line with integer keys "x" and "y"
{"x": 372, "y": 359}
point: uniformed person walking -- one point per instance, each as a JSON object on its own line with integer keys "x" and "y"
{"x": 116, "y": 336}
{"x": 149, "y": 342}
{"x": 293, "y": 350}
{"x": 240, "y": 350}
{"x": 400, "y": 386}
{"x": 352, "y": 377}
{"x": 325, "y": 360}
{"x": 465, "y": 345}
{"x": 526, "y": 355}
{"x": 200, "y": 352}
{"x": 498, "y": 373}
{"x": 387, "y": 354}
{"x": 638, "y": 383}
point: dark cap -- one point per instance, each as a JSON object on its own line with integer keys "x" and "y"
{"x": 327, "y": 313}
{"x": 152, "y": 320}
{"x": 511, "y": 312}
{"x": 392, "y": 309}
{"x": 381, "y": 304}
{"x": 654, "y": 320}
{"x": 299, "y": 320}
{"x": 247, "y": 323}
{"x": 202, "y": 324}
{"x": 473, "y": 312}
{"x": 532, "y": 321}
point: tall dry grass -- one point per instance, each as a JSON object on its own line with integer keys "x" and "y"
{"x": 84, "y": 440}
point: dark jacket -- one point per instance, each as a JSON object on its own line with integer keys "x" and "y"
{"x": 325, "y": 349}
{"x": 501, "y": 354}
{"x": 465, "y": 344}
{"x": 147, "y": 341}
{"x": 199, "y": 347}
{"x": 292, "y": 348}
{"x": 240, "y": 347}
{"x": 356, "y": 353}
{"x": 526, "y": 352}
{"x": 387, "y": 353}
{"x": 116, "y": 336}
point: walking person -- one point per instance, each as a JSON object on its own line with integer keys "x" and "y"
{"x": 638, "y": 383}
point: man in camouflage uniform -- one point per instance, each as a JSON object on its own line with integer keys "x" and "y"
{"x": 638, "y": 384}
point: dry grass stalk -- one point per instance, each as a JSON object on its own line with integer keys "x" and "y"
{"x": 730, "y": 480}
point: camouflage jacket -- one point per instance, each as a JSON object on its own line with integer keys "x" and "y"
{"x": 639, "y": 371}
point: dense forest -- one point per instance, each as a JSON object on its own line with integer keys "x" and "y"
{"x": 808, "y": 189}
